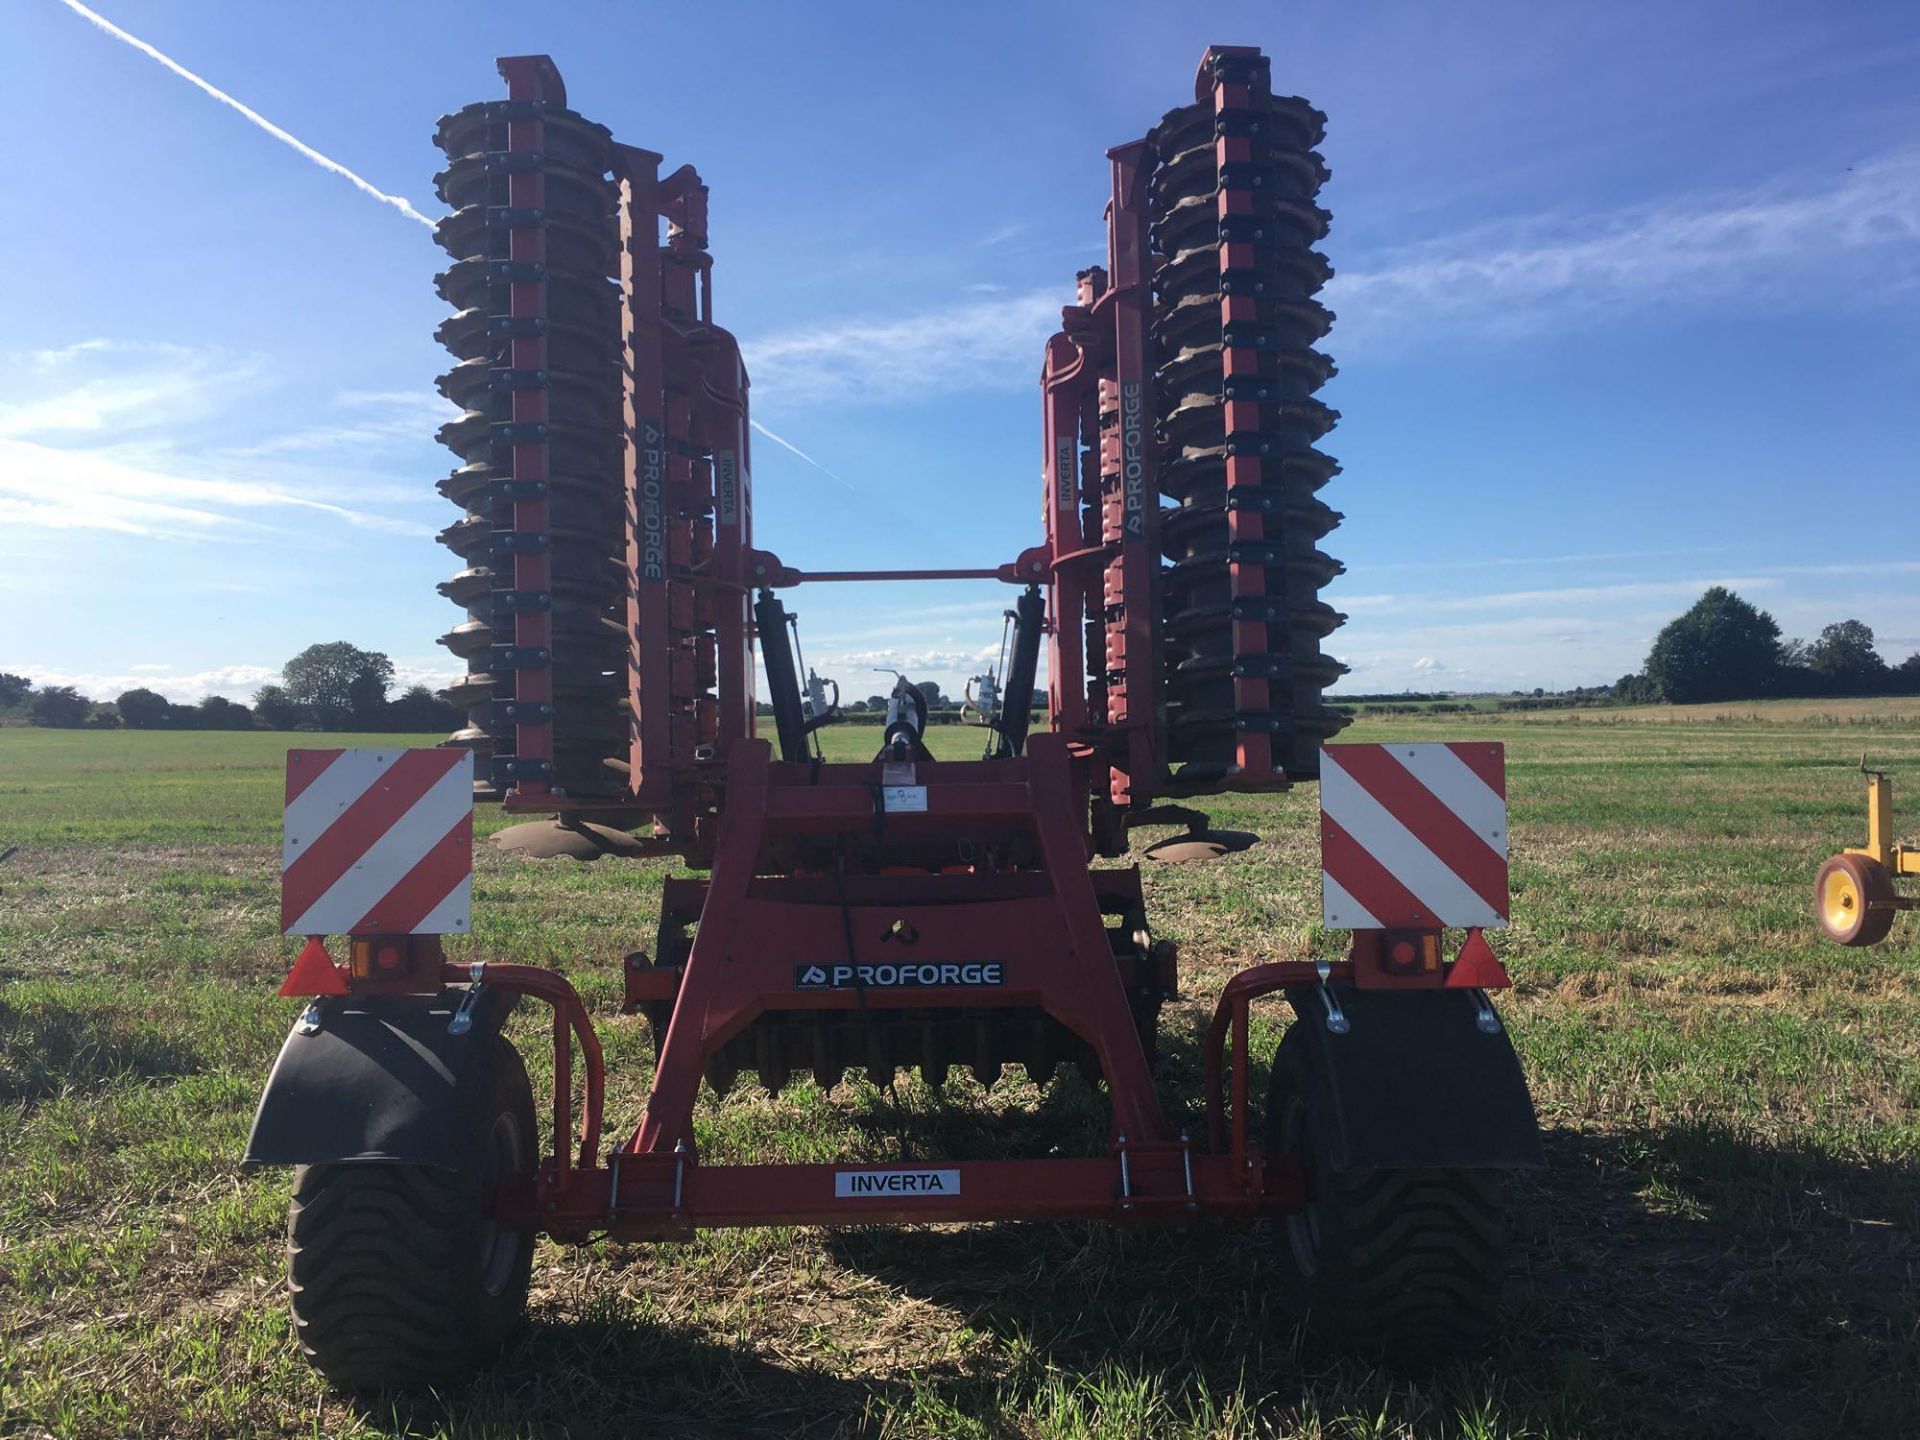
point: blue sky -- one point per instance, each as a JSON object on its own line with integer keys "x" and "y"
{"x": 1627, "y": 300}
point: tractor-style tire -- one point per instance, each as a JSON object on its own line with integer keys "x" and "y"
{"x": 1852, "y": 898}
{"x": 1406, "y": 1263}
{"x": 399, "y": 1279}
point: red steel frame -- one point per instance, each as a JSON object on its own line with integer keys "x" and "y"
{"x": 758, "y": 924}
{"x": 685, "y": 400}
{"x": 756, "y": 927}
{"x": 687, "y": 479}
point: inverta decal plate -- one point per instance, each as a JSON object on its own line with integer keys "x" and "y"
{"x": 861, "y": 1184}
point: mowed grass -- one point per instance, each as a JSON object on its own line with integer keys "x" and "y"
{"x": 1727, "y": 1243}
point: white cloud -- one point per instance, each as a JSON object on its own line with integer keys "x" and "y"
{"x": 914, "y": 663}
{"x": 1517, "y": 275}
{"x": 236, "y": 682}
{"x": 436, "y": 673}
{"x": 51, "y": 359}
{"x": 375, "y": 419}
{"x": 1001, "y": 234}
{"x": 864, "y": 670}
{"x": 1580, "y": 595}
{"x": 1585, "y": 634}
{"x": 986, "y": 344}
{"x": 56, "y": 489}
{"x": 95, "y": 437}
{"x": 159, "y": 387}
{"x": 1763, "y": 245}
{"x": 1482, "y": 562}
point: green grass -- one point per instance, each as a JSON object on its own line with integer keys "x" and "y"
{"x": 1728, "y": 1241}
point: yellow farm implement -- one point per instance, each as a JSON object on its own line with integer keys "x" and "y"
{"x": 1853, "y": 894}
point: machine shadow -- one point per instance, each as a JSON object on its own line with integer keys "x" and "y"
{"x": 1674, "y": 1282}
{"x": 610, "y": 1373}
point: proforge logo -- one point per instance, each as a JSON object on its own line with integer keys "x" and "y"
{"x": 1133, "y": 473}
{"x": 897, "y": 977}
{"x": 652, "y": 514}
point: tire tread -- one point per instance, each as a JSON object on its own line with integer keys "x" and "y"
{"x": 382, "y": 1272}
{"x": 1410, "y": 1261}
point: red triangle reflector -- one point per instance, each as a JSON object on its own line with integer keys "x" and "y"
{"x": 1477, "y": 967}
{"x": 314, "y": 973}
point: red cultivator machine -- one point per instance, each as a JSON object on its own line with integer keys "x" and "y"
{"x": 904, "y": 912}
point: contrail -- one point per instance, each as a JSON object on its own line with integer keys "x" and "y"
{"x": 326, "y": 163}
{"x": 787, "y": 445}
{"x": 398, "y": 202}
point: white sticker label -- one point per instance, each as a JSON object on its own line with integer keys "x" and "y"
{"x": 865, "y": 1184}
{"x": 903, "y": 797}
{"x": 726, "y": 485}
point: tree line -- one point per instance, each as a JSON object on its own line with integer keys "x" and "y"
{"x": 1723, "y": 648}
{"x": 334, "y": 686}
{"x": 1727, "y": 649}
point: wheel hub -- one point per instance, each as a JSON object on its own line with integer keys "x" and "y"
{"x": 1841, "y": 902}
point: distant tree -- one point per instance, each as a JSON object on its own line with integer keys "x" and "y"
{"x": 14, "y": 688}
{"x": 276, "y": 710}
{"x": 877, "y": 702}
{"x": 61, "y": 707}
{"x": 216, "y": 712}
{"x": 1844, "y": 653}
{"x": 367, "y": 698}
{"x": 1635, "y": 689}
{"x": 417, "y": 710}
{"x": 930, "y": 691}
{"x": 341, "y": 685}
{"x": 143, "y": 709}
{"x": 1721, "y": 649}
{"x": 1904, "y": 678}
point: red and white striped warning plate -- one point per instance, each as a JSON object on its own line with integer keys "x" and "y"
{"x": 378, "y": 842}
{"x": 1413, "y": 836}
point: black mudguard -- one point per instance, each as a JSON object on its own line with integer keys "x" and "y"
{"x": 382, "y": 1079}
{"x": 1415, "y": 1083}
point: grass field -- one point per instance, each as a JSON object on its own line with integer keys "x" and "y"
{"x": 1727, "y": 1243}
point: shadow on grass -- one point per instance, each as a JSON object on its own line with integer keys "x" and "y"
{"x": 1680, "y": 1282}
{"x": 1683, "y": 1281}
{"x": 77, "y": 1037}
{"x": 1726, "y": 1286}
{"x": 1668, "y": 1283}
{"x": 614, "y": 1372}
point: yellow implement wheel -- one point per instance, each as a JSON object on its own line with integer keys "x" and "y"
{"x": 1852, "y": 897}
